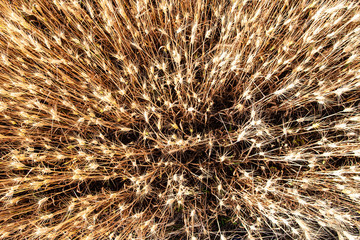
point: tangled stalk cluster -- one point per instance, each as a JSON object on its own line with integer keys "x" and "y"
{"x": 169, "y": 119}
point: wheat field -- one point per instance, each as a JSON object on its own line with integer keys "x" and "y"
{"x": 180, "y": 119}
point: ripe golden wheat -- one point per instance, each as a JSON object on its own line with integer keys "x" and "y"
{"x": 180, "y": 119}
